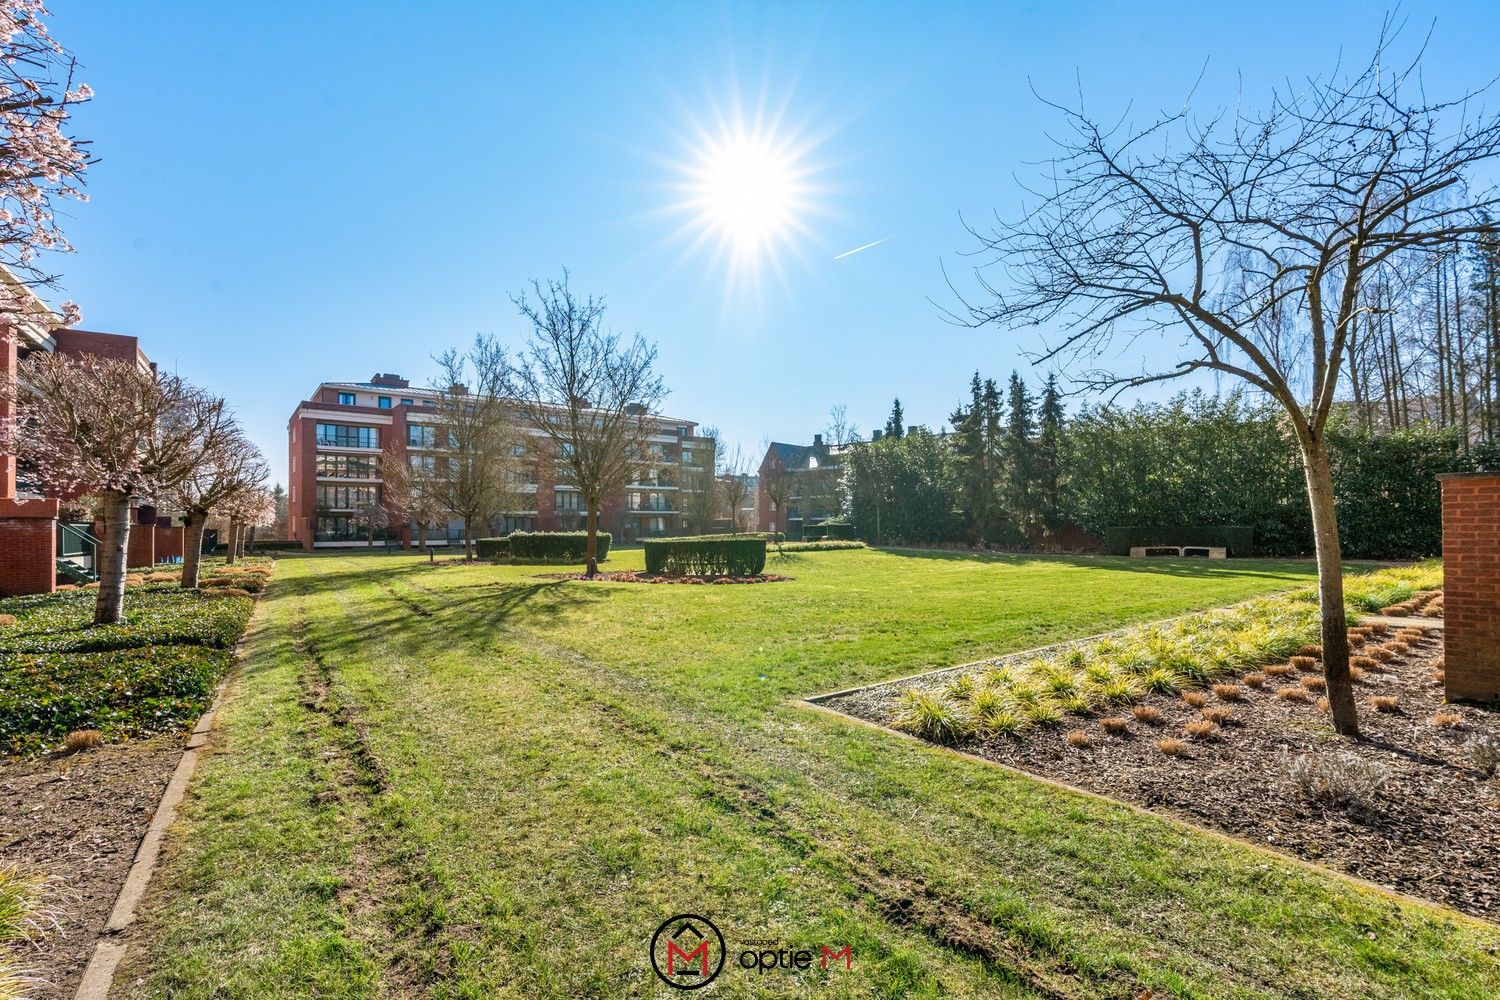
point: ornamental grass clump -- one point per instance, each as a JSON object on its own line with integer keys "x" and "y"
{"x": 1229, "y": 692}
{"x": 1149, "y": 714}
{"x": 1447, "y": 720}
{"x": 1172, "y": 747}
{"x": 931, "y": 717}
{"x": 1292, "y": 694}
{"x": 1115, "y": 725}
{"x": 1077, "y": 738}
{"x": 1303, "y": 663}
{"x": 1385, "y": 703}
{"x": 1314, "y": 683}
{"x": 1254, "y": 680}
{"x": 1341, "y": 778}
{"x": 1197, "y": 699}
{"x": 1484, "y": 751}
{"x": 1199, "y": 729}
{"x": 1218, "y": 715}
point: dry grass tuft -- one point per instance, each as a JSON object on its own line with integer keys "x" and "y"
{"x": 1217, "y": 714}
{"x": 1292, "y": 694}
{"x": 1229, "y": 692}
{"x": 1398, "y": 646}
{"x": 1304, "y": 663}
{"x": 1447, "y": 720}
{"x": 7, "y": 619}
{"x": 1255, "y": 680}
{"x": 1323, "y": 705}
{"x": 1277, "y": 670}
{"x": 1077, "y": 738}
{"x": 1363, "y": 663}
{"x": 229, "y": 592}
{"x": 1149, "y": 714}
{"x": 1195, "y": 698}
{"x": 1356, "y": 674}
{"x": 1172, "y": 747}
{"x": 1385, "y": 702}
{"x": 1437, "y": 664}
{"x": 1115, "y": 725}
{"x": 1315, "y": 683}
{"x": 1311, "y": 650}
{"x": 1439, "y": 676}
{"x": 83, "y": 739}
{"x": 1200, "y": 729}
{"x": 1382, "y": 654}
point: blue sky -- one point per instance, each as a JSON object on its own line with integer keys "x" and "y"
{"x": 294, "y": 192}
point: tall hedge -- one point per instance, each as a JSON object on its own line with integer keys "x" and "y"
{"x": 492, "y": 548}
{"x": 555, "y": 546}
{"x": 706, "y": 555}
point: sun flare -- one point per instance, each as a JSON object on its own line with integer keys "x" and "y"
{"x": 746, "y": 187}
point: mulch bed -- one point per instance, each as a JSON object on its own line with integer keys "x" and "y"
{"x": 1433, "y": 831}
{"x": 658, "y": 578}
{"x": 79, "y": 819}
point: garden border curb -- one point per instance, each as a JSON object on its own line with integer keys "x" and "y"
{"x": 109, "y": 949}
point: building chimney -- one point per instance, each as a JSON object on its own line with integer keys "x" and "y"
{"x": 817, "y": 440}
{"x": 876, "y": 435}
{"x": 389, "y": 379}
{"x": 458, "y": 389}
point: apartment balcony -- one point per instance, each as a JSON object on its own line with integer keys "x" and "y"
{"x": 653, "y": 509}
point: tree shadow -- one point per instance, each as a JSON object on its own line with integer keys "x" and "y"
{"x": 1159, "y": 566}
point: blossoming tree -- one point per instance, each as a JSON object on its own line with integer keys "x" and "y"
{"x": 230, "y": 468}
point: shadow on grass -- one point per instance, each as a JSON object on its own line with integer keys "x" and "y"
{"x": 1126, "y": 564}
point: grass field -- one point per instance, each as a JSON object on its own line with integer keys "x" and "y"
{"x": 465, "y": 781}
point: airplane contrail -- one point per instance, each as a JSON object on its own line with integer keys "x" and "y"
{"x": 850, "y": 253}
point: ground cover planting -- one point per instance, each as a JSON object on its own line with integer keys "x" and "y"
{"x": 481, "y": 783}
{"x": 1219, "y": 718}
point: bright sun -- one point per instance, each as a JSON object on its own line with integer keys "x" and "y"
{"x": 747, "y": 191}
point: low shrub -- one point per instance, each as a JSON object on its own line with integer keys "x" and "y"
{"x": 706, "y": 555}
{"x": 1341, "y": 778}
{"x": 827, "y": 545}
{"x": 556, "y": 546}
{"x": 121, "y": 692}
{"x": 492, "y": 548}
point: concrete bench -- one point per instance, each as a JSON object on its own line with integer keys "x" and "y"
{"x": 1179, "y": 551}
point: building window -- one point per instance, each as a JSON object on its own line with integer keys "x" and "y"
{"x": 384, "y": 402}
{"x": 343, "y": 528}
{"x": 423, "y": 463}
{"x": 567, "y": 500}
{"x": 348, "y": 467}
{"x": 408, "y": 402}
{"x": 347, "y": 497}
{"x": 421, "y": 435}
{"x": 347, "y": 436}
{"x": 346, "y": 399}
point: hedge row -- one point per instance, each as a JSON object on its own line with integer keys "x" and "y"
{"x": 833, "y": 530}
{"x": 1237, "y": 538}
{"x": 543, "y": 546}
{"x": 706, "y": 555}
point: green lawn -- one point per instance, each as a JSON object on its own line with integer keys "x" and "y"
{"x": 468, "y": 781}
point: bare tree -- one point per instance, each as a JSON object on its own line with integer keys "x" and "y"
{"x": 227, "y": 470}
{"x": 841, "y": 430}
{"x": 1226, "y": 234}
{"x": 698, "y": 490}
{"x": 734, "y": 483}
{"x": 480, "y": 448}
{"x": 408, "y": 492}
{"x": 590, "y": 392}
{"x": 780, "y": 484}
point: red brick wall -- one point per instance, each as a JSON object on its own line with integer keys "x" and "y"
{"x": 169, "y": 539}
{"x": 114, "y": 346}
{"x": 28, "y": 547}
{"x": 1471, "y": 586}
{"x": 141, "y": 553}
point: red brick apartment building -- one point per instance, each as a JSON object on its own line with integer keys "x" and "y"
{"x": 338, "y": 438}
{"x": 38, "y": 540}
{"x": 810, "y": 474}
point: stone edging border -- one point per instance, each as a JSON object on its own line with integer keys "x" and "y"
{"x": 109, "y": 949}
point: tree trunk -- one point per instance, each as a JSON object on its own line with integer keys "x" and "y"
{"x": 1330, "y": 588}
{"x": 468, "y": 541}
{"x": 422, "y": 537}
{"x": 109, "y": 609}
{"x": 591, "y": 548}
{"x": 192, "y": 552}
{"x": 234, "y": 531}
{"x": 239, "y": 542}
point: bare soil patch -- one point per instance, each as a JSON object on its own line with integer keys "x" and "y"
{"x": 660, "y": 578}
{"x": 1432, "y": 830}
{"x": 79, "y": 819}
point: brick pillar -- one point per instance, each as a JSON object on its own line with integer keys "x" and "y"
{"x": 28, "y": 547}
{"x": 141, "y": 548}
{"x": 1471, "y": 586}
